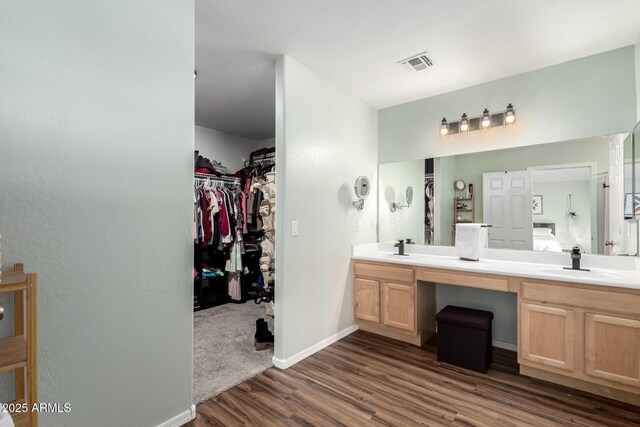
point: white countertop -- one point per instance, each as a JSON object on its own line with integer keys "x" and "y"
{"x": 622, "y": 272}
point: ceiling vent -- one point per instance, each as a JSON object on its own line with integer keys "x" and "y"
{"x": 416, "y": 63}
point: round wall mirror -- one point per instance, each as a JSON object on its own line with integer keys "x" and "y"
{"x": 362, "y": 187}
{"x": 409, "y": 195}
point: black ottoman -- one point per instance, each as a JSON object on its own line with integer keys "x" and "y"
{"x": 464, "y": 337}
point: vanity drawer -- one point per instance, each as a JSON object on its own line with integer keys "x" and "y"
{"x": 384, "y": 272}
{"x": 471, "y": 280}
{"x": 604, "y": 300}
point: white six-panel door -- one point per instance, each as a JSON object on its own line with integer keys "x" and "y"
{"x": 507, "y": 207}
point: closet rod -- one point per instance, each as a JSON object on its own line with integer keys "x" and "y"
{"x": 220, "y": 179}
{"x": 260, "y": 160}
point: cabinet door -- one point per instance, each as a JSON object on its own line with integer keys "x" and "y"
{"x": 547, "y": 336}
{"x": 367, "y": 300}
{"x": 612, "y": 348}
{"x": 399, "y": 305}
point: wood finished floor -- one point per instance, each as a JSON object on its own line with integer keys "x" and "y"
{"x": 365, "y": 379}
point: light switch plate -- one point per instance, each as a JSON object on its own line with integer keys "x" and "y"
{"x": 359, "y": 225}
{"x": 393, "y": 224}
{"x": 294, "y": 228}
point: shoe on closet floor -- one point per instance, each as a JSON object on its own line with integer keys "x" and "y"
{"x": 263, "y": 338}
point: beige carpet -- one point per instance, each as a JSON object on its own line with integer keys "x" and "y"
{"x": 223, "y": 350}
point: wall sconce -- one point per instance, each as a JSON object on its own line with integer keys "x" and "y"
{"x": 484, "y": 122}
{"x": 444, "y": 128}
{"x": 464, "y": 124}
{"x": 509, "y": 116}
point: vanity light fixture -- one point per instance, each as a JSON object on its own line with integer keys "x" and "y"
{"x": 484, "y": 122}
{"x": 464, "y": 123}
{"x": 444, "y": 128}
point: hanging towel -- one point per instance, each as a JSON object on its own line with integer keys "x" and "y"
{"x": 470, "y": 239}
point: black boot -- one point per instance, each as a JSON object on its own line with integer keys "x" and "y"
{"x": 267, "y": 333}
{"x": 264, "y": 338}
{"x": 259, "y": 323}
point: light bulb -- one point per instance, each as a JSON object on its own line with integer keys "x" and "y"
{"x": 444, "y": 127}
{"x": 486, "y": 119}
{"x": 464, "y": 123}
{"x": 509, "y": 116}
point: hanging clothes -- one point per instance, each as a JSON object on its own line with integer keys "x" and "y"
{"x": 234, "y": 263}
{"x": 233, "y": 286}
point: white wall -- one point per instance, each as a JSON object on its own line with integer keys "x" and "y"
{"x": 96, "y": 158}
{"x": 230, "y": 150}
{"x": 325, "y": 139}
{"x": 570, "y": 231}
{"x": 394, "y": 178}
{"x": 578, "y": 99}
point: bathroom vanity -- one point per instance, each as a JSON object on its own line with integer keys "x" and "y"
{"x": 576, "y": 328}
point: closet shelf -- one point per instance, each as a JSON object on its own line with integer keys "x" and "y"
{"x": 13, "y": 353}
{"x": 13, "y": 281}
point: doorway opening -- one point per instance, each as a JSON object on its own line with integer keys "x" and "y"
{"x": 234, "y": 215}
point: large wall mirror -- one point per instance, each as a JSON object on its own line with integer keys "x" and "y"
{"x": 547, "y": 197}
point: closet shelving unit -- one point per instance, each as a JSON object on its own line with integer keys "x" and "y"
{"x": 222, "y": 180}
{"x": 19, "y": 353}
{"x": 270, "y": 157}
{"x": 463, "y": 215}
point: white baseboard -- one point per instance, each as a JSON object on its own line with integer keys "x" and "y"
{"x": 286, "y": 363}
{"x": 180, "y": 419}
{"x": 504, "y": 345}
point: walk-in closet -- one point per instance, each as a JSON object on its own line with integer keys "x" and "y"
{"x": 234, "y": 208}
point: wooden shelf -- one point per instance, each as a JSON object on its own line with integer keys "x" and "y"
{"x": 13, "y": 353}
{"x": 20, "y": 352}
{"x": 13, "y": 281}
{"x": 463, "y": 215}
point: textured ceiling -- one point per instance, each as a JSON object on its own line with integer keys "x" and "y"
{"x": 356, "y": 43}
